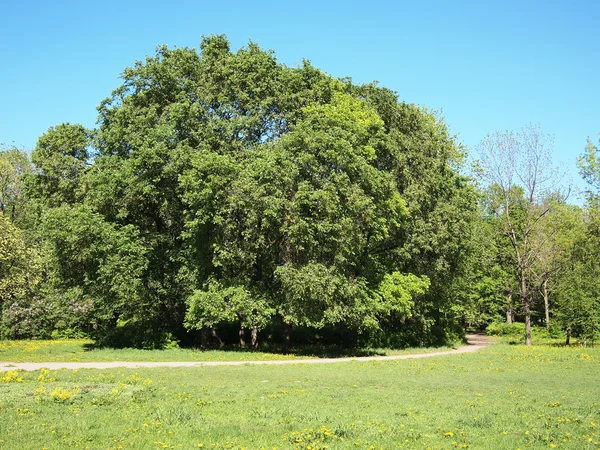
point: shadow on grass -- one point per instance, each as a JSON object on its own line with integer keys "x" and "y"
{"x": 323, "y": 351}
{"x": 545, "y": 342}
{"x": 576, "y": 344}
{"x": 314, "y": 351}
{"x": 300, "y": 351}
{"x": 307, "y": 344}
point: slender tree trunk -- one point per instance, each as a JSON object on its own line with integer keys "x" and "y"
{"x": 568, "y": 339}
{"x": 242, "y": 336}
{"x": 254, "y": 338}
{"x": 526, "y": 307}
{"x": 241, "y": 332}
{"x": 509, "y": 310}
{"x": 214, "y": 335}
{"x": 204, "y": 338}
{"x": 287, "y": 335}
{"x": 527, "y": 324}
{"x": 546, "y": 303}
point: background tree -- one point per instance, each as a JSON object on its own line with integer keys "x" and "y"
{"x": 23, "y": 258}
{"x": 60, "y": 159}
{"x": 554, "y": 239}
{"x": 14, "y": 165}
{"x": 518, "y": 165}
{"x": 13, "y": 260}
{"x": 484, "y": 290}
{"x": 578, "y": 295}
{"x": 589, "y": 167}
{"x": 105, "y": 262}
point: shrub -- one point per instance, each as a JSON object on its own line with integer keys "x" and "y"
{"x": 505, "y": 329}
{"x": 45, "y": 316}
{"x": 516, "y": 330}
{"x": 136, "y": 333}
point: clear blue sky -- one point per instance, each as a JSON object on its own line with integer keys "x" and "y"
{"x": 487, "y": 65}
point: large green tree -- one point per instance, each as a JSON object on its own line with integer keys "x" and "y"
{"x": 226, "y": 178}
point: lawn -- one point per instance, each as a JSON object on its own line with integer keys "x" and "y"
{"x": 503, "y": 397}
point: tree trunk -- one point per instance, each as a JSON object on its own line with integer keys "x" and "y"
{"x": 204, "y": 338}
{"x": 214, "y": 335}
{"x": 546, "y": 303}
{"x": 509, "y": 310}
{"x": 568, "y": 339}
{"x": 254, "y": 338}
{"x": 242, "y": 336}
{"x": 287, "y": 335}
{"x": 526, "y": 307}
{"x": 527, "y": 324}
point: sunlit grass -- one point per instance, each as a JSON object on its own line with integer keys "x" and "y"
{"x": 503, "y": 397}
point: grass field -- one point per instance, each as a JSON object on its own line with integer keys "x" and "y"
{"x": 503, "y": 397}
{"x": 81, "y": 350}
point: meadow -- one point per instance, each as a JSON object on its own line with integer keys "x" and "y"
{"x": 502, "y": 397}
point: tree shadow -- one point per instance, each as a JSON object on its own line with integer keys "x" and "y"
{"x": 309, "y": 351}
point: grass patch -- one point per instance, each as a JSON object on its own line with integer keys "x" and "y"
{"x": 82, "y": 350}
{"x": 503, "y": 397}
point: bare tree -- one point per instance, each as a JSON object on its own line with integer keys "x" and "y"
{"x": 518, "y": 167}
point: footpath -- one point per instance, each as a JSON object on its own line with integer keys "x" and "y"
{"x": 475, "y": 342}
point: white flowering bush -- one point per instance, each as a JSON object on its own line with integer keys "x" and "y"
{"x": 46, "y": 316}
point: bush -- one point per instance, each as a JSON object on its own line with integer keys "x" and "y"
{"x": 30, "y": 321}
{"x": 556, "y": 331}
{"x": 46, "y": 316}
{"x": 516, "y": 330}
{"x": 414, "y": 332}
{"x": 69, "y": 333}
{"x": 505, "y": 329}
{"x": 135, "y": 333}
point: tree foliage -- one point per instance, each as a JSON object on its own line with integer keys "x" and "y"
{"x": 247, "y": 182}
{"x": 14, "y": 166}
{"x": 60, "y": 158}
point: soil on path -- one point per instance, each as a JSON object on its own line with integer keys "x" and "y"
{"x": 475, "y": 342}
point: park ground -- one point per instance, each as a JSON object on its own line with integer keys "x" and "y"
{"x": 501, "y": 397}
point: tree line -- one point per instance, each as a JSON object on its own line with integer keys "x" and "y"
{"x": 224, "y": 196}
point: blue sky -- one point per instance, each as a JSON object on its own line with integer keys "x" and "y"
{"x": 487, "y": 65}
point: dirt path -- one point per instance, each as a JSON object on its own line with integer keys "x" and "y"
{"x": 475, "y": 342}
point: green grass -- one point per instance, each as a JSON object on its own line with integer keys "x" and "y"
{"x": 82, "y": 350}
{"x": 503, "y": 397}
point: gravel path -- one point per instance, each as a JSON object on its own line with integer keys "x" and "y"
{"x": 475, "y": 342}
